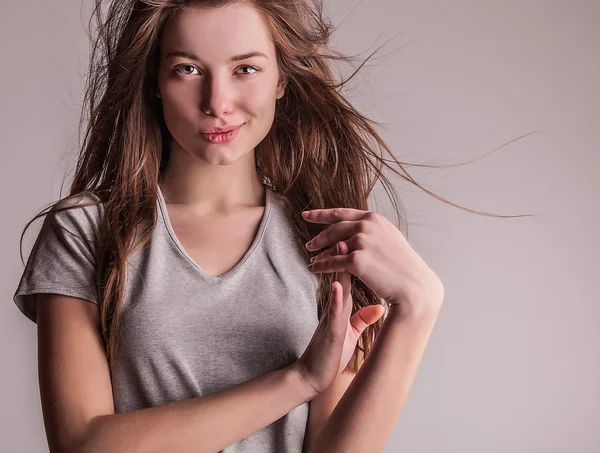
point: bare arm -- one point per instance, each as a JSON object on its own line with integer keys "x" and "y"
{"x": 77, "y": 402}
{"x": 202, "y": 424}
{"x": 365, "y": 416}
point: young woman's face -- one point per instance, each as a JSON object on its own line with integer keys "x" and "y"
{"x": 205, "y": 88}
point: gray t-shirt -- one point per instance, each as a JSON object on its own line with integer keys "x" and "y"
{"x": 186, "y": 333}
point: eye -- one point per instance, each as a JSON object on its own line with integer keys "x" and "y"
{"x": 251, "y": 67}
{"x": 184, "y": 65}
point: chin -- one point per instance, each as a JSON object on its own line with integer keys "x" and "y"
{"x": 223, "y": 154}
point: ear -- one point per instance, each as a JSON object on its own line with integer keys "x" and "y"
{"x": 281, "y": 85}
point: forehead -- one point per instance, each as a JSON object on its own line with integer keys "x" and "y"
{"x": 216, "y": 34}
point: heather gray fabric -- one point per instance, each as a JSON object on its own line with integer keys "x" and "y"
{"x": 187, "y": 333}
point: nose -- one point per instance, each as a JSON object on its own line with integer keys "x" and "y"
{"x": 216, "y": 98}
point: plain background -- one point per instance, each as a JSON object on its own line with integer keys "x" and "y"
{"x": 513, "y": 364}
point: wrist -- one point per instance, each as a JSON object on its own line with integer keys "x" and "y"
{"x": 299, "y": 380}
{"x": 425, "y": 303}
{"x": 423, "y": 311}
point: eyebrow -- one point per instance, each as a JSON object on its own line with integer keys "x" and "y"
{"x": 192, "y": 56}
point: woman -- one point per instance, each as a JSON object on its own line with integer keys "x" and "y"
{"x": 206, "y": 331}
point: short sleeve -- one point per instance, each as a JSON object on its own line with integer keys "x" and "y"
{"x": 62, "y": 259}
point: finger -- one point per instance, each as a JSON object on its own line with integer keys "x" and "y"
{"x": 341, "y": 247}
{"x": 365, "y": 317}
{"x": 343, "y": 277}
{"x": 334, "y": 301}
{"x": 336, "y": 263}
{"x": 329, "y": 309}
{"x": 339, "y": 323}
{"x": 331, "y": 215}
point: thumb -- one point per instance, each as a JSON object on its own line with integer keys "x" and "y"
{"x": 365, "y": 317}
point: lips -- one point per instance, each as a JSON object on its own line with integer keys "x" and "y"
{"x": 219, "y": 130}
{"x": 221, "y": 137}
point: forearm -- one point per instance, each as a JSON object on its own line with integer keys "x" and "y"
{"x": 365, "y": 416}
{"x": 202, "y": 424}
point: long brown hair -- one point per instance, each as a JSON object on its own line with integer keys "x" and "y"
{"x": 320, "y": 152}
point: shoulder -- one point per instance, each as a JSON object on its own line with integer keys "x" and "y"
{"x": 85, "y": 197}
{"x": 81, "y": 212}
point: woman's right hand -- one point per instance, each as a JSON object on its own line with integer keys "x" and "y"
{"x": 336, "y": 336}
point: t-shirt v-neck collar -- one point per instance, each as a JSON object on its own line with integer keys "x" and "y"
{"x": 257, "y": 238}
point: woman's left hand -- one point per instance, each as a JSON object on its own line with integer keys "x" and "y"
{"x": 378, "y": 254}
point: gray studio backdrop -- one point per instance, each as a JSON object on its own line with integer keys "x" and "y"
{"x": 513, "y": 364}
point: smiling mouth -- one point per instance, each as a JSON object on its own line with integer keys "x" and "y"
{"x": 220, "y": 130}
{"x": 221, "y": 137}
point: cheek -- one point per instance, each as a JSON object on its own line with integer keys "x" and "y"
{"x": 261, "y": 111}
{"x": 180, "y": 102}
{"x": 260, "y": 103}
{"x": 262, "y": 94}
{"x": 180, "y": 112}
